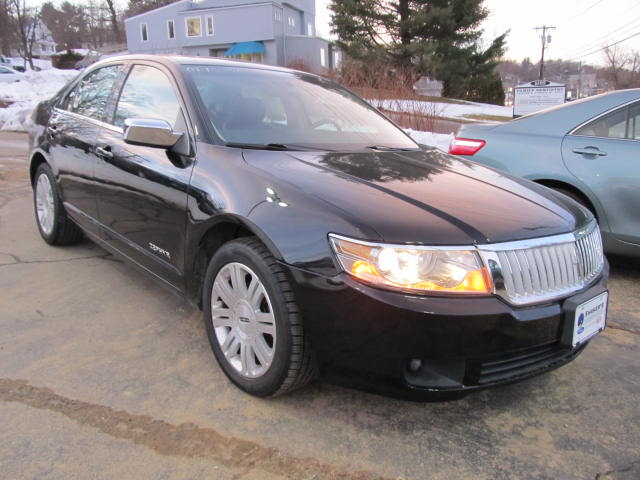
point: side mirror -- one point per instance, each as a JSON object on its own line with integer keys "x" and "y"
{"x": 150, "y": 132}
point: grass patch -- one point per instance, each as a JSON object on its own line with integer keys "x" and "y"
{"x": 488, "y": 118}
{"x": 427, "y": 98}
{"x": 401, "y": 94}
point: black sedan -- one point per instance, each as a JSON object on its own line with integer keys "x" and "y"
{"x": 317, "y": 237}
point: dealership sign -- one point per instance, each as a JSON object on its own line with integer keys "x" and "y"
{"x": 537, "y": 95}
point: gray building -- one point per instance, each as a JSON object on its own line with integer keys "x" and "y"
{"x": 274, "y": 33}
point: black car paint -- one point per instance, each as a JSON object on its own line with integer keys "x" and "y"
{"x": 133, "y": 198}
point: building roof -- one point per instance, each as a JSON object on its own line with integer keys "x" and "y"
{"x": 202, "y": 9}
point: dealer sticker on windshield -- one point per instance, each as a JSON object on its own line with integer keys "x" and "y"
{"x": 590, "y": 318}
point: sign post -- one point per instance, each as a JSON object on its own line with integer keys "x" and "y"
{"x": 537, "y": 95}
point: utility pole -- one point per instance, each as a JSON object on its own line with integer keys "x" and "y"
{"x": 580, "y": 80}
{"x": 545, "y": 39}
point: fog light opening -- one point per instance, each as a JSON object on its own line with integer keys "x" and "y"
{"x": 415, "y": 364}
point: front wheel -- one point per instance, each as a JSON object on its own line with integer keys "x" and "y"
{"x": 252, "y": 321}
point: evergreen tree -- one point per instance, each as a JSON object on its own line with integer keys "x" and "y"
{"x": 439, "y": 38}
{"x": 67, "y": 23}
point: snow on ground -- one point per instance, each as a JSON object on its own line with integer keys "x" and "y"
{"x": 449, "y": 110}
{"x": 27, "y": 93}
{"x": 438, "y": 140}
{"x": 41, "y": 63}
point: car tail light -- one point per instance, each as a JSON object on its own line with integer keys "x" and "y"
{"x": 465, "y": 146}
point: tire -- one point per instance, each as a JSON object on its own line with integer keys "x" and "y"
{"x": 576, "y": 198}
{"x": 259, "y": 362}
{"x": 55, "y": 227}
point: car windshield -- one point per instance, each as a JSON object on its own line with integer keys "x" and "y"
{"x": 250, "y": 106}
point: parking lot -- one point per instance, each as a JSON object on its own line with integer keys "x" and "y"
{"x": 105, "y": 374}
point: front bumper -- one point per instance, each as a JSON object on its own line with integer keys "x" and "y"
{"x": 414, "y": 346}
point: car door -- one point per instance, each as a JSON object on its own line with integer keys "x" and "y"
{"x": 72, "y": 131}
{"x": 604, "y": 154}
{"x": 141, "y": 190}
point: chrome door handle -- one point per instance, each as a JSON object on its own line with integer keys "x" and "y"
{"x": 104, "y": 152}
{"x": 590, "y": 151}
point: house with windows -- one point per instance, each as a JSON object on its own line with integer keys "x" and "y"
{"x": 43, "y": 43}
{"x": 269, "y": 32}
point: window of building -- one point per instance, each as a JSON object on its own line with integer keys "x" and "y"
{"x": 171, "y": 32}
{"x": 291, "y": 21}
{"x": 277, "y": 14}
{"x": 143, "y": 32}
{"x": 148, "y": 93}
{"x": 323, "y": 57}
{"x": 248, "y": 57}
{"x": 193, "y": 26}
{"x": 89, "y": 97}
{"x": 209, "y": 25}
{"x": 217, "y": 52}
{"x": 337, "y": 59}
{"x": 310, "y": 29}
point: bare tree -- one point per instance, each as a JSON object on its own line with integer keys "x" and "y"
{"x": 94, "y": 21}
{"x": 617, "y": 59}
{"x": 25, "y": 22}
{"x": 7, "y": 38}
{"x": 634, "y": 70}
{"x": 114, "y": 21}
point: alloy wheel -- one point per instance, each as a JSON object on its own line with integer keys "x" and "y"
{"x": 45, "y": 204}
{"x": 243, "y": 320}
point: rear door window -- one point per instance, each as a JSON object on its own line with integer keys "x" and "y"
{"x": 621, "y": 123}
{"x": 612, "y": 125}
{"x": 89, "y": 98}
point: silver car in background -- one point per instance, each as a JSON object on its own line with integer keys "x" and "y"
{"x": 588, "y": 149}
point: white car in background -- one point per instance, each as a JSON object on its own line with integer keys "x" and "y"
{"x": 9, "y": 75}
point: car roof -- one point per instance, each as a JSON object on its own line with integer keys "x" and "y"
{"x": 564, "y": 118}
{"x": 175, "y": 60}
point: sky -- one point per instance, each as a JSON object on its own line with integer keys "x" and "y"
{"x": 582, "y": 26}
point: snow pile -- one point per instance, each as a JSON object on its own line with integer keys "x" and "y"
{"x": 449, "y": 110}
{"x": 438, "y": 140}
{"x": 27, "y": 93}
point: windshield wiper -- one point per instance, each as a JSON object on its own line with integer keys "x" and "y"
{"x": 273, "y": 146}
{"x": 258, "y": 146}
{"x": 383, "y": 148}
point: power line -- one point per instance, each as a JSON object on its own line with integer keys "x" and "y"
{"x": 606, "y": 46}
{"x": 581, "y": 13}
{"x": 592, "y": 44}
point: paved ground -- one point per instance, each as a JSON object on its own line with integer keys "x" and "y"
{"x": 104, "y": 374}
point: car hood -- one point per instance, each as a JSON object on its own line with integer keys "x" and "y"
{"x": 424, "y": 197}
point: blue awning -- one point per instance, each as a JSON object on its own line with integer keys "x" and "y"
{"x": 245, "y": 47}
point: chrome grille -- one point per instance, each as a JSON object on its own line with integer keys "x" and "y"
{"x": 545, "y": 268}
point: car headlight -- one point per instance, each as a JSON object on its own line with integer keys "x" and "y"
{"x": 413, "y": 268}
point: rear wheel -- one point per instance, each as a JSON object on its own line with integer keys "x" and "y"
{"x": 55, "y": 227}
{"x": 578, "y": 198}
{"x": 252, "y": 321}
